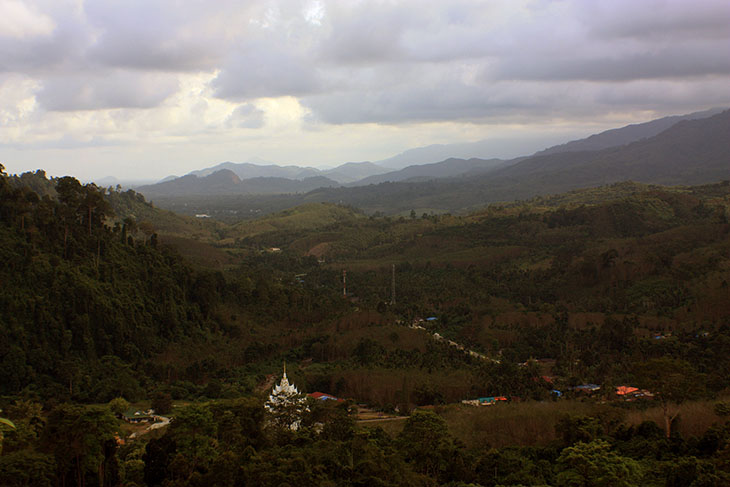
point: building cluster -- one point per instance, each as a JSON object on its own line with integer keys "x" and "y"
{"x": 484, "y": 401}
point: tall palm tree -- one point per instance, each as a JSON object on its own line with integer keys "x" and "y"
{"x": 4, "y": 422}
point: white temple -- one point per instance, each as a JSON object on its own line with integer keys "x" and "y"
{"x": 286, "y": 404}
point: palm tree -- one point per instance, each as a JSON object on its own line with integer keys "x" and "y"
{"x": 4, "y": 422}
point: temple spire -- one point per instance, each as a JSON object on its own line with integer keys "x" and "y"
{"x": 286, "y": 404}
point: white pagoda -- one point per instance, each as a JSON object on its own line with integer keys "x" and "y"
{"x": 286, "y": 404}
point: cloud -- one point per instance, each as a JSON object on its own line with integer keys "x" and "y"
{"x": 155, "y": 35}
{"x": 21, "y": 21}
{"x": 117, "y": 89}
{"x": 59, "y": 50}
{"x": 365, "y": 33}
{"x": 160, "y": 73}
{"x": 263, "y": 70}
{"x": 671, "y": 20}
{"x": 246, "y": 116}
{"x": 524, "y": 102}
{"x": 431, "y": 62}
{"x": 686, "y": 61}
{"x": 329, "y": 51}
{"x": 414, "y": 31}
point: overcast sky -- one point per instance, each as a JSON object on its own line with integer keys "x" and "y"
{"x": 148, "y": 88}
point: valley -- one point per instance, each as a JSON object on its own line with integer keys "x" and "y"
{"x": 404, "y": 310}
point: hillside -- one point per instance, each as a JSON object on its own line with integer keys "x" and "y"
{"x": 354, "y": 171}
{"x": 494, "y": 147}
{"x": 93, "y": 303}
{"x": 444, "y": 169}
{"x": 653, "y": 253}
{"x": 226, "y": 182}
{"x": 625, "y": 135}
{"x": 690, "y": 152}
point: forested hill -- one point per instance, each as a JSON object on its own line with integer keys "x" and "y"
{"x": 81, "y": 300}
{"x": 88, "y": 301}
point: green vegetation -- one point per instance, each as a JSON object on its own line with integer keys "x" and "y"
{"x": 108, "y": 300}
{"x": 231, "y": 442}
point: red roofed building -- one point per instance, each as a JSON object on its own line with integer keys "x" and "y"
{"x": 323, "y": 397}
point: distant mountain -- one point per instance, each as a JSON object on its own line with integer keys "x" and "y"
{"x": 248, "y": 170}
{"x": 126, "y": 183}
{"x": 283, "y": 185}
{"x": 220, "y": 182}
{"x": 627, "y": 134}
{"x": 689, "y": 152}
{"x": 106, "y": 181}
{"x": 226, "y": 182}
{"x": 345, "y": 173}
{"x": 449, "y": 168}
{"x": 354, "y": 171}
{"x": 502, "y": 148}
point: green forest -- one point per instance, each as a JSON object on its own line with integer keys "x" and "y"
{"x": 111, "y": 305}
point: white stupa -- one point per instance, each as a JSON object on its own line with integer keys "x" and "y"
{"x": 286, "y": 404}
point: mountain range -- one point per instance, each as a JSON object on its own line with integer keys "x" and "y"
{"x": 626, "y": 135}
{"x": 686, "y": 149}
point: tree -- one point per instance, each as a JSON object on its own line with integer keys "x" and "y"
{"x": 78, "y": 437}
{"x": 118, "y": 405}
{"x": 147, "y": 228}
{"x": 26, "y": 468}
{"x": 129, "y": 225}
{"x": 4, "y": 423}
{"x": 194, "y": 432}
{"x": 672, "y": 381}
{"x": 509, "y": 466}
{"x": 28, "y": 421}
{"x": 427, "y": 444}
{"x": 162, "y": 402}
{"x": 595, "y": 465}
{"x": 69, "y": 194}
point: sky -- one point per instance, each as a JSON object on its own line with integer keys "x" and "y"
{"x": 143, "y": 89}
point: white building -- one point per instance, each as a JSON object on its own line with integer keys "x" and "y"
{"x": 286, "y": 405}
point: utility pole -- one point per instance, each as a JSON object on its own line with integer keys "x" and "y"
{"x": 392, "y": 289}
{"x": 344, "y": 283}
